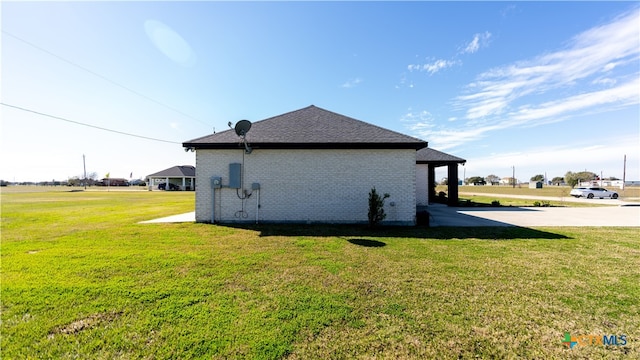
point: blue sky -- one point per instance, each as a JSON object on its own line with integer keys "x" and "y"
{"x": 545, "y": 87}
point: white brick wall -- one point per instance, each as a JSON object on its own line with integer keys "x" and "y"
{"x": 309, "y": 186}
{"x": 422, "y": 184}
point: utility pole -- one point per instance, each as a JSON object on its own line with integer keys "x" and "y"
{"x": 624, "y": 171}
{"x": 84, "y": 165}
{"x": 513, "y": 176}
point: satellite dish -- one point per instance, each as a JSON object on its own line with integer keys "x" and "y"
{"x": 242, "y": 127}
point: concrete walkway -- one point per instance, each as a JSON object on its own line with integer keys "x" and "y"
{"x": 188, "y": 217}
{"x": 442, "y": 215}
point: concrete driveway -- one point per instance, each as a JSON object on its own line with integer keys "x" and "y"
{"x": 553, "y": 198}
{"x": 442, "y": 215}
{"x": 187, "y": 217}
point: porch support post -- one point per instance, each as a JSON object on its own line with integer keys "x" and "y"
{"x": 431, "y": 183}
{"x": 453, "y": 184}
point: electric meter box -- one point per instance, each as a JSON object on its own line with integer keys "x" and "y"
{"x": 216, "y": 182}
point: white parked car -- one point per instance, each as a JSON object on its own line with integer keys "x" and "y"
{"x": 593, "y": 192}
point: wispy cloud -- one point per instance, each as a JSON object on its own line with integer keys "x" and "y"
{"x": 596, "y": 72}
{"x": 426, "y": 126}
{"x": 623, "y": 95}
{"x": 479, "y": 41}
{"x": 592, "y": 52}
{"x": 508, "y": 10}
{"x": 404, "y": 82}
{"x": 433, "y": 66}
{"x": 351, "y": 83}
{"x": 554, "y": 159}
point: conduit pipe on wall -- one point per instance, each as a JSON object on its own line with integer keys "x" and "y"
{"x": 257, "y": 206}
{"x": 213, "y": 206}
{"x": 256, "y": 187}
{"x": 216, "y": 183}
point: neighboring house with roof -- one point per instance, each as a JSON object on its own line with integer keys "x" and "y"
{"x": 306, "y": 166}
{"x": 174, "y": 178}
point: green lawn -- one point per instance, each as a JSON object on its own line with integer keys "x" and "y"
{"x": 82, "y": 279}
{"x": 629, "y": 193}
{"x": 488, "y": 199}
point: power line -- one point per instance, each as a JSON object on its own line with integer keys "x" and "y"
{"x": 103, "y": 77}
{"x": 88, "y": 125}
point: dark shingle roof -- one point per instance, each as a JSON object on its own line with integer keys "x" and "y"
{"x": 310, "y": 128}
{"x": 435, "y": 157}
{"x": 176, "y": 171}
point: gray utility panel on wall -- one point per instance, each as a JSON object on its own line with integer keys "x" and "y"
{"x": 235, "y": 176}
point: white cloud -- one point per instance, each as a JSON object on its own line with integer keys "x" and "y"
{"x": 424, "y": 125}
{"x": 606, "y": 156}
{"x": 351, "y": 83}
{"x": 603, "y": 47}
{"x": 549, "y": 88}
{"x": 434, "y": 66}
{"x": 623, "y": 95}
{"x": 604, "y": 81}
{"x": 479, "y": 40}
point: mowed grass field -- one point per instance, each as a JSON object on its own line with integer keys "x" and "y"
{"x": 81, "y": 278}
{"x": 508, "y": 196}
{"x": 629, "y": 193}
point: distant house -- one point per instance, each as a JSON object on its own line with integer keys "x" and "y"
{"x": 174, "y": 178}
{"x": 535, "y": 184}
{"x": 508, "y": 181}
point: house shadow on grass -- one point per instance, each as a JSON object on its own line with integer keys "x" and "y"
{"x": 366, "y": 242}
{"x": 358, "y": 233}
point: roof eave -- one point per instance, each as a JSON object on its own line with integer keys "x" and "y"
{"x": 306, "y": 145}
{"x": 437, "y": 163}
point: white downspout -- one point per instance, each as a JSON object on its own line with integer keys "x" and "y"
{"x": 213, "y": 207}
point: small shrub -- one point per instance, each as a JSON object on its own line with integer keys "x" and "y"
{"x": 536, "y": 203}
{"x": 495, "y": 203}
{"x": 376, "y": 207}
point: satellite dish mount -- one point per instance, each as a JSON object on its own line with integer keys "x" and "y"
{"x": 242, "y": 128}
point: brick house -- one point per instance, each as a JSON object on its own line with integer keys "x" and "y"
{"x": 306, "y": 166}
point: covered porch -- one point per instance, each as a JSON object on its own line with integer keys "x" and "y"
{"x": 182, "y": 178}
{"x": 427, "y": 160}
